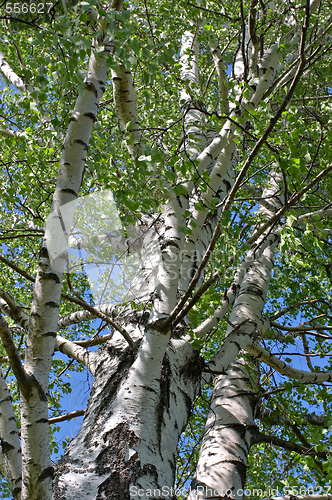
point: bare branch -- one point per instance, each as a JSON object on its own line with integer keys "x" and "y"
{"x": 259, "y": 437}
{"x": 9, "y": 307}
{"x": 67, "y": 416}
{"x": 283, "y": 368}
{"x": 14, "y": 357}
{"x": 80, "y": 302}
{"x": 285, "y": 310}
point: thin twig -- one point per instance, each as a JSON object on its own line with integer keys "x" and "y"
{"x": 67, "y": 416}
{"x": 77, "y": 301}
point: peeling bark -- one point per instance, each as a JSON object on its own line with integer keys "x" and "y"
{"x": 221, "y": 468}
{"x": 157, "y": 386}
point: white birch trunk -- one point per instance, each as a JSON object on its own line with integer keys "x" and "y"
{"x": 221, "y": 469}
{"x": 227, "y": 439}
{"x": 37, "y": 470}
{"x": 138, "y": 407}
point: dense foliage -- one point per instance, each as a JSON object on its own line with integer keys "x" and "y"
{"x": 287, "y": 133}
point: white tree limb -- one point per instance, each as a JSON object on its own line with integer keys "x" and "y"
{"x": 110, "y": 310}
{"x": 15, "y": 80}
{"x": 11, "y": 309}
{"x": 223, "y": 107}
{"x": 321, "y": 214}
{"x": 75, "y": 351}
{"x": 10, "y": 447}
{"x": 126, "y": 108}
{"x": 227, "y": 437}
{"x": 283, "y": 368}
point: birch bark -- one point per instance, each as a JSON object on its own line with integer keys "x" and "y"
{"x": 221, "y": 468}
{"x": 37, "y": 470}
{"x": 142, "y": 403}
{"x": 10, "y": 449}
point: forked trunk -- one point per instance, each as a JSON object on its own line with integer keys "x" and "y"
{"x": 139, "y": 405}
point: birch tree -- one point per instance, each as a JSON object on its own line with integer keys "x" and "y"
{"x": 206, "y": 128}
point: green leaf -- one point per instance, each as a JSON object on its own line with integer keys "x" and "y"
{"x": 180, "y": 190}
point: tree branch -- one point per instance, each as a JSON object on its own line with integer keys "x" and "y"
{"x": 126, "y": 108}
{"x": 238, "y": 182}
{"x": 14, "y": 357}
{"x": 10, "y": 308}
{"x": 99, "y": 314}
{"x": 75, "y": 351}
{"x": 259, "y": 437}
{"x": 67, "y": 416}
{"x": 283, "y": 368}
{"x": 285, "y": 310}
{"x": 79, "y": 316}
{"x": 10, "y": 447}
{"x": 95, "y": 312}
{"x": 223, "y": 106}
{"x": 15, "y": 80}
